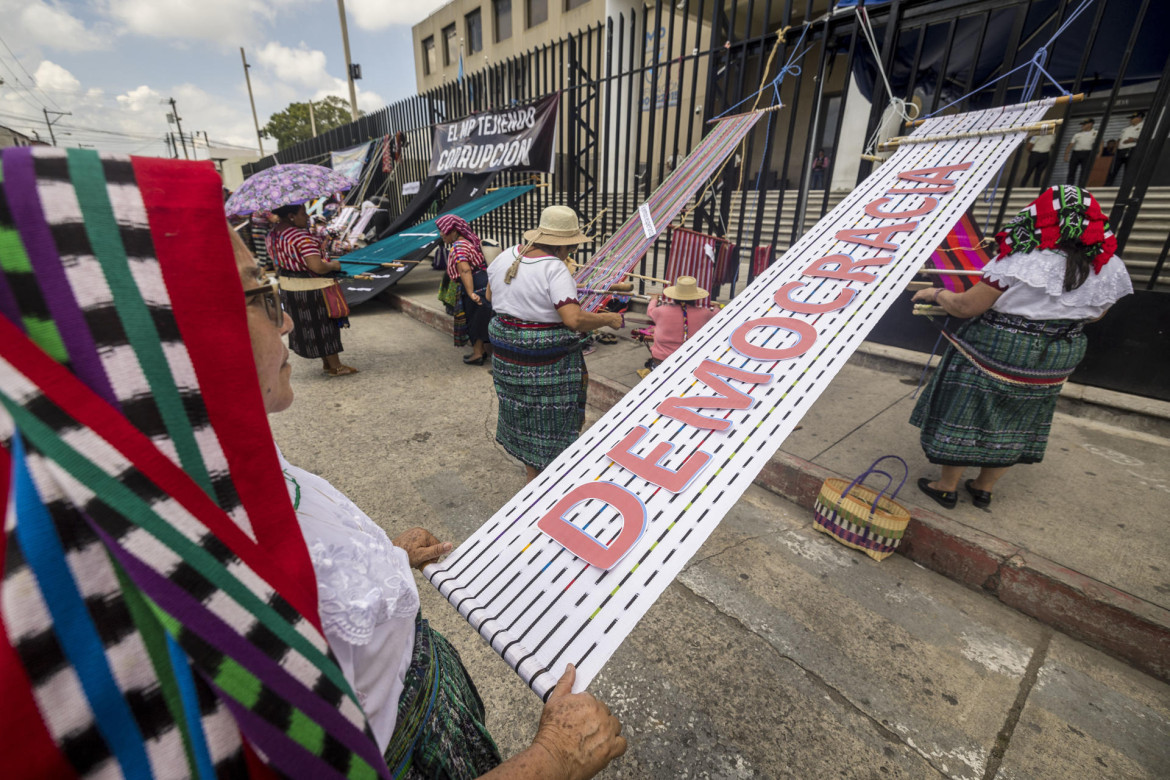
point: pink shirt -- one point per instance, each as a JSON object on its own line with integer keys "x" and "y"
{"x": 668, "y": 325}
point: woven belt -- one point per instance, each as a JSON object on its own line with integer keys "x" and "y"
{"x": 299, "y": 284}
{"x": 1012, "y": 322}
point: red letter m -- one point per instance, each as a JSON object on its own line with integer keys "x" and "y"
{"x": 728, "y": 397}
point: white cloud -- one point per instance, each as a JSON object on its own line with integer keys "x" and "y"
{"x": 140, "y": 99}
{"x": 48, "y": 24}
{"x": 52, "y": 77}
{"x": 302, "y": 65}
{"x": 376, "y": 15}
{"x": 228, "y": 22}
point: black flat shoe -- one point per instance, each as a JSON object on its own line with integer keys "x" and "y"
{"x": 947, "y": 498}
{"x": 476, "y": 362}
{"x": 980, "y": 498}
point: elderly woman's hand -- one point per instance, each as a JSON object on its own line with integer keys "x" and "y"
{"x": 421, "y": 547}
{"x": 927, "y": 295}
{"x": 578, "y": 731}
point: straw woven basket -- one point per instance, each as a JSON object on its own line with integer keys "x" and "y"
{"x": 861, "y": 517}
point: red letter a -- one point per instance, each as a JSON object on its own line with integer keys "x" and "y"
{"x": 728, "y": 397}
{"x": 583, "y": 545}
{"x": 934, "y": 176}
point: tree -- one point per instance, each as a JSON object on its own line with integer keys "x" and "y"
{"x": 292, "y": 125}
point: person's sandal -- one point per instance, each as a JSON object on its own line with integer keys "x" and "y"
{"x": 342, "y": 371}
{"x": 980, "y": 498}
{"x": 606, "y": 338}
{"x": 947, "y": 498}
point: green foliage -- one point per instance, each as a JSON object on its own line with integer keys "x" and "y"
{"x": 292, "y": 125}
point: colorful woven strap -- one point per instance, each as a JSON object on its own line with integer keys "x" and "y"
{"x": 157, "y": 599}
{"x": 1060, "y": 213}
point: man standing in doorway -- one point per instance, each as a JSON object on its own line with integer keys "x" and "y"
{"x": 1079, "y": 151}
{"x": 1039, "y": 150}
{"x": 1125, "y": 146}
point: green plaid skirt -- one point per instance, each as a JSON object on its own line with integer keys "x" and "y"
{"x": 971, "y": 419}
{"x": 440, "y": 732}
{"x": 541, "y": 382}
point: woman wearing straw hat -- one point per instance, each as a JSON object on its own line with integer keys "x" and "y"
{"x": 674, "y": 320}
{"x": 537, "y": 363}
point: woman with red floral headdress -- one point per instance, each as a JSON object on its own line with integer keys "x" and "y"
{"x": 991, "y": 400}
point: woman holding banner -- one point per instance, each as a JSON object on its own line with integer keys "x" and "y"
{"x": 990, "y": 402}
{"x": 163, "y": 616}
{"x": 536, "y": 336}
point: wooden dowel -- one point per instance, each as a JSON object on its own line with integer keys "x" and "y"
{"x": 948, "y": 272}
{"x": 663, "y": 282}
{"x": 872, "y": 157}
{"x": 493, "y": 189}
{"x": 1060, "y": 101}
{"x": 634, "y": 296}
{"x": 1047, "y": 128}
{"x": 929, "y": 311}
{"x": 916, "y": 286}
{"x": 776, "y": 107}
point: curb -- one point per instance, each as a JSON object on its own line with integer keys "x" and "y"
{"x": 1127, "y": 627}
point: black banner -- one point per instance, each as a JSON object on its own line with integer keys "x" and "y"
{"x": 520, "y": 138}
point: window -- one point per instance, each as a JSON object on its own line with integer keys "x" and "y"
{"x": 450, "y": 45}
{"x": 502, "y": 10}
{"x": 537, "y": 11}
{"x": 571, "y": 4}
{"x": 428, "y": 55}
{"x": 474, "y": 32}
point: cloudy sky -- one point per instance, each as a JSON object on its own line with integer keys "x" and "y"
{"x": 113, "y": 63}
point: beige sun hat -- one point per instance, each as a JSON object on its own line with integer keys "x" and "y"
{"x": 685, "y": 288}
{"x": 558, "y": 227}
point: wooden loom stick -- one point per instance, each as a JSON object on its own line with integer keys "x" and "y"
{"x": 948, "y": 272}
{"x": 1060, "y": 101}
{"x": 927, "y": 310}
{"x": 1047, "y": 127}
{"x": 663, "y": 282}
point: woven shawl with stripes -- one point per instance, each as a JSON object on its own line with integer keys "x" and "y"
{"x": 626, "y": 247}
{"x": 158, "y": 604}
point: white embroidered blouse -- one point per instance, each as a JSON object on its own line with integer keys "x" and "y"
{"x": 365, "y": 592}
{"x": 1033, "y": 284}
{"x": 541, "y": 286}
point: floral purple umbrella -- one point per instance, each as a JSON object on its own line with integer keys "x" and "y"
{"x": 284, "y": 185}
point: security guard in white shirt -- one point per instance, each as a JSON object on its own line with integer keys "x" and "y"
{"x": 1126, "y": 144}
{"x": 1080, "y": 150}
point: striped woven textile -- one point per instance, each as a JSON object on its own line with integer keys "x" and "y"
{"x": 961, "y": 251}
{"x": 158, "y": 605}
{"x": 629, "y": 243}
{"x": 761, "y": 259}
{"x": 693, "y": 254}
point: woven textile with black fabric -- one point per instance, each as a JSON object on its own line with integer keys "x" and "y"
{"x": 159, "y": 606}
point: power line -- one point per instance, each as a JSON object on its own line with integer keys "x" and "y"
{"x": 21, "y": 64}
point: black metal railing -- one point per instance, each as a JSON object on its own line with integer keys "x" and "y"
{"x": 638, "y": 89}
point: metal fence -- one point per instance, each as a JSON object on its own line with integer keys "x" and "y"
{"x": 638, "y": 88}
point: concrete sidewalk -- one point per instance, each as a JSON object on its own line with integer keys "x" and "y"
{"x": 1078, "y": 541}
{"x": 775, "y": 653}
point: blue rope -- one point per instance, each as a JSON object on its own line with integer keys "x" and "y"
{"x": 789, "y": 69}
{"x": 1035, "y": 66}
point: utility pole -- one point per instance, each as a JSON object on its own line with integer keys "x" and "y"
{"x": 179, "y": 125}
{"x": 348, "y": 65}
{"x": 255, "y": 121}
{"x": 49, "y": 122}
{"x": 312, "y": 120}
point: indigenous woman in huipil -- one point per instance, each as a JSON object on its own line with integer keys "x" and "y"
{"x": 537, "y": 337}
{"x": 990, "y": 402}
{"x": 467, "y": 267}
{"x": 313, "y": 299}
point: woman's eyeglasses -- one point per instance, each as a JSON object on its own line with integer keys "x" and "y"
{"x": 268, "y": 296}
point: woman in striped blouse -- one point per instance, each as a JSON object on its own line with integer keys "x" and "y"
{"x": 307, "y": 291}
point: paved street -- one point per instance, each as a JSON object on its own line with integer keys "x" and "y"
{"x": 777, "y": 652}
